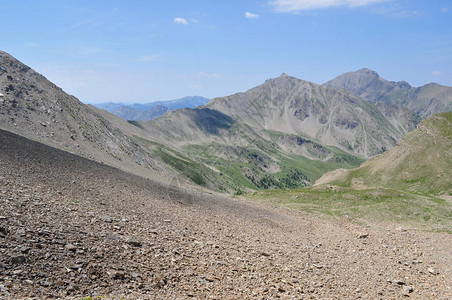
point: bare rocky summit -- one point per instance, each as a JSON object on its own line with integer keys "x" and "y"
{"x": 73, "y": 228}
{"x": 426, "y": 100}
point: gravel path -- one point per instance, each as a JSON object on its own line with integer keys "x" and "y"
{"x": 72, "y": 228}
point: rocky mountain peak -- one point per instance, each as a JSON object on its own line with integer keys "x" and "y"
{"x": 366, "y": 84}
{"x": 367, "y": 72}
{"x": 403, "y": 85}
{"x": 283, "y": 80}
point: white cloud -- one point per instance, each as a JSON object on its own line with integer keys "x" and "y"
{"x": 299, "y": 5}
{"x": 396, "y": 11}
{"x": 89, "y": 50}
{"x": 437, "y": 73}
{"x": 205, "y": 74}
{"x": 445, "y": 9}
{"x": 195, "y": 86}
{"x": 251, "y": 15}
{"x": 181, "y": 21}
{"x": 31, "y": 45}
{"x": 148, "y": 58}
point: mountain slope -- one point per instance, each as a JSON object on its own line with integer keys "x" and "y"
{"x": 185, "y": 102}
{"x": 35, "y": 108}
{"x": 71, "y": 228}
{"x": 402, "y": 118}
{"x": 367, "y": 84}
{"x": 421, "y": 162}
{"x": 293, "y": 106}
{"x": 284, "y": 133}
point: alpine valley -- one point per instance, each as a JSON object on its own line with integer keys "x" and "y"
{"x": 285, "y": 133}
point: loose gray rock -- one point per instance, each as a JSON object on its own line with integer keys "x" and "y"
{"x": 134, "y": 242}
{"x": 363, "y": 235}
{"x": 433, "y": 271}
{"x": 24, "y": 249}
{"x": 71, "y": 247}
{"x": 406, "y": 290}
{"x": 18, "y": 259}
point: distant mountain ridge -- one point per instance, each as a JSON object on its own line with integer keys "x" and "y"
{"x": 151, "y": 110}
{"x": 366, "y": 84}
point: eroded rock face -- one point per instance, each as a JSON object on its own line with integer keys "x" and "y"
{"x": 293, "y": 106}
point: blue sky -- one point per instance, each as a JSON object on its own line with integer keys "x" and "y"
{"x": 142, "y": 51}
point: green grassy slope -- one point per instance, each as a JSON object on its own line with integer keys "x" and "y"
{"x": 363, "y": 206}
{"x": 265, "y": 167}
{"x": 410, "y": 184}
{"x": 420, "y": 163}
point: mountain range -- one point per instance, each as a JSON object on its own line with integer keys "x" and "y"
{"x": 284, "y": 133}
{"x": 151, "y": 110}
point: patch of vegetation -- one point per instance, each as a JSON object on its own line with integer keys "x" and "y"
{"x": 186, "y": 166}
{"x": 314, "y": 169}
{"x": 421, "y": 164}
{"x": 240, "y": 168}
{"x": 380, "y": 205}
{"x": 295, "y": 178}
{"x": 249, "y": 168}
{"x": 273, "y": 133}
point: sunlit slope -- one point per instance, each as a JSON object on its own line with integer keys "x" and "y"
{"x": 421, "y": 162}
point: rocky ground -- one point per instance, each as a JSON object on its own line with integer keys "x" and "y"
{"x": 72, "y": 228}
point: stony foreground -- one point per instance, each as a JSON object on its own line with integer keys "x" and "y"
{"x": 73, "y": 228}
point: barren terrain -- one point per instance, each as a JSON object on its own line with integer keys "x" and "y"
{"x": 73, "y": 228}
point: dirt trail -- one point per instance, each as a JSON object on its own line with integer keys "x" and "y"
{"x": 70, "y": 227}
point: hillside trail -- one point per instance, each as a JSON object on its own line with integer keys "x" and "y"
{"x": 73, "y": 228}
